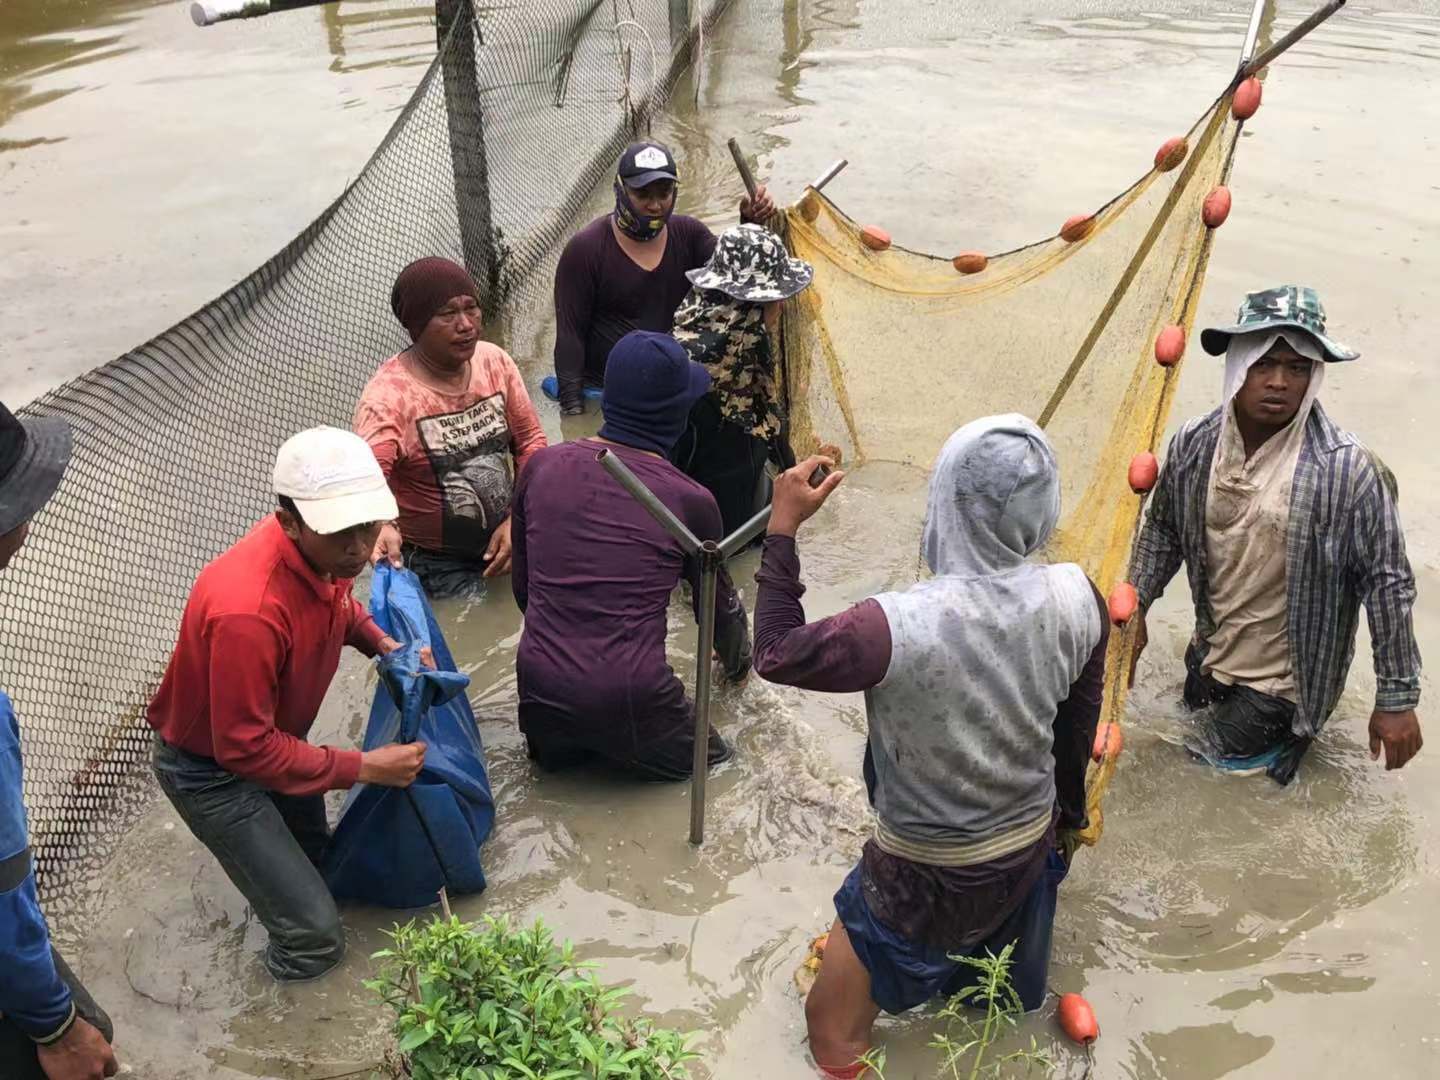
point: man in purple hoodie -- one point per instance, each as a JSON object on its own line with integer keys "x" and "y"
{"x": 593, "y": 573}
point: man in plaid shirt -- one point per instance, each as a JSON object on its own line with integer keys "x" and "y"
{"x": 1285, "y": 524}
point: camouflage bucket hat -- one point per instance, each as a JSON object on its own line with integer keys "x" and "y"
{"x": 750, "y": 263}
{"x": 1272, "y": 309}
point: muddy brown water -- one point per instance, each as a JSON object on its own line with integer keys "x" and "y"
{"x": 1223, "y": 927}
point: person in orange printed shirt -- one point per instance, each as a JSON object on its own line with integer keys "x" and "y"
{"x": 451, "y": 424}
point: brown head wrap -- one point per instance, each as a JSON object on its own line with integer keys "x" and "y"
{"x": 426, "y": 286}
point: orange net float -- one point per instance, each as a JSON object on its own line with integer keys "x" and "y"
{"x": 1170, "y": 346}
{"x": 1109, "y": 741}
{"x": 874, "y": 238}
{"x": 1077, "y": 1019}
{"x": 1144, "y": 471}
{"x": 1077, "y": 228}
{"x": 1216, "y": 208}
{"x": 1171, "y": 153}
{"x": 1123, "y": 603}
{"x": 970, "y": 262}
{"x": 1246, "y": 102}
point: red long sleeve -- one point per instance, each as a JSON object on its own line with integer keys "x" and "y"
{"x": 246, "y": 656}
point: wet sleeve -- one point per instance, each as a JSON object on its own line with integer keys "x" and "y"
{"x": 519, "y": 557}
{"x": 246, "y": 655}
{"x": 363, "y": 632}
{"x": 1158, "y": 551}
{"x": 574, "y": 310}
{"x": 379, "y": 427}
{"x": 526, "y": 433}
{"x": 1074, "y": 730}
{"x": 1387, "y": 588}
{"x": 32, "y": 994}
{"x": 844, "y": 653}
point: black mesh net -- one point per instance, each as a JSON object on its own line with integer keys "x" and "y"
{"x": 174, "y": 441}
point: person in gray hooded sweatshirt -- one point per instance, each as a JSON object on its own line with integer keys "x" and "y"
{"x": 982, "y": 688}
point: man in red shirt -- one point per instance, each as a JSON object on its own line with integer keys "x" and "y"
{"x": 259, "y": 643}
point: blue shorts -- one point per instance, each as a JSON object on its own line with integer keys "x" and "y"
{"x": 904, "y": 974}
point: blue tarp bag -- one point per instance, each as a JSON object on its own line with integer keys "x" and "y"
{"x": 397, "y": 846}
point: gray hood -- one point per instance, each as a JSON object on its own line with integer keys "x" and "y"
{"x": 994, "y": 497}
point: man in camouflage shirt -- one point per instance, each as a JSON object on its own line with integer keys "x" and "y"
{"x": 730, "y": 322}
{"x": 1286, "y": 524}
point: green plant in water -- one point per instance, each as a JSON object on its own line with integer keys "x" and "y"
{"x": 968, "y": 1040}
{"x": 485, "y": 1002}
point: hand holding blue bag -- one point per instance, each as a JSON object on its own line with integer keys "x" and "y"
{"x": 397, "y": 847}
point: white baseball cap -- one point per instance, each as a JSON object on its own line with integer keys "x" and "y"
{"x": 334, "y": 480}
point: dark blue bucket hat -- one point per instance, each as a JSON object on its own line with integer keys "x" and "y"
{"x": 33, "y": 456}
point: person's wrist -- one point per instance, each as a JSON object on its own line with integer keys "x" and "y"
{"x": 61, "y": 1033}
{"x": 782, "y": 526}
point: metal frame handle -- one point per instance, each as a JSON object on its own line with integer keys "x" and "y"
{"x": 712, "y": 556}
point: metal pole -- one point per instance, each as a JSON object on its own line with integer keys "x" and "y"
{"x": 1252, "y": 35}
{"x": 710, "y": 563}
{"x": 467, "y": 146}
{"x": 829, "y": 174}
{"x": 1281, "y": 46}
{"x": 712, "y": 558}
{"x": 741, "y": 537}
{"x": 646, "y": 498}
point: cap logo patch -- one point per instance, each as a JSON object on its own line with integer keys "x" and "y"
{"x": 652, "y": 157}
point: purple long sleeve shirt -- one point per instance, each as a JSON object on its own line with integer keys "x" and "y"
{"x": 593, "y": 574}
{"x": 601, "y": 295}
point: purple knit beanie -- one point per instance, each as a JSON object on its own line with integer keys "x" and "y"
{"x": 426, "y": 286}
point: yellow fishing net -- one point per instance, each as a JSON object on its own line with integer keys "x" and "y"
{"x": 891, "y": 350}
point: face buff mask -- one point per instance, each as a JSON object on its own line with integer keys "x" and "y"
{"x": 633, "y": 223}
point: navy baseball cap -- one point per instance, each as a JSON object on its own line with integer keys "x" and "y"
{"x": 645, "y": 162}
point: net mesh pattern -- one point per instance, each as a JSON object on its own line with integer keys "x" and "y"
{"x": 174, "y": 441}
{"x": 891, "y": 350}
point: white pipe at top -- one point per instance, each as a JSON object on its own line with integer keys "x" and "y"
{"x": 210, "y": 12}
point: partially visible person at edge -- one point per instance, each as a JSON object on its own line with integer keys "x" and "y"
{"x": 729, "y": 323}
{"x": 594, "y": 574}
{"x": 259, "y": 643}
{"x": 50, "y": 1027}
{"x": 451, "y": 424}
{"x": 991, "y": 672}
{"x": 1285, "y": 524}
{"x": 626, "y": 270}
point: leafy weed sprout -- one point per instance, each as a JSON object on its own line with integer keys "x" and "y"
{"x": 968, "y": 1040}
{"x": 487, "y": 1002}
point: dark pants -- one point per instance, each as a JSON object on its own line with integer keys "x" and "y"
{"x": 905, "y": 973}
{"x": 446, "y": 577}
{"x": 727, "y": 460}
{"x": 269, "y": 845}
{"x": 17, "y": 1050}
{"x": 1235, "y": 727}
{"x": 555, "y": 742}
